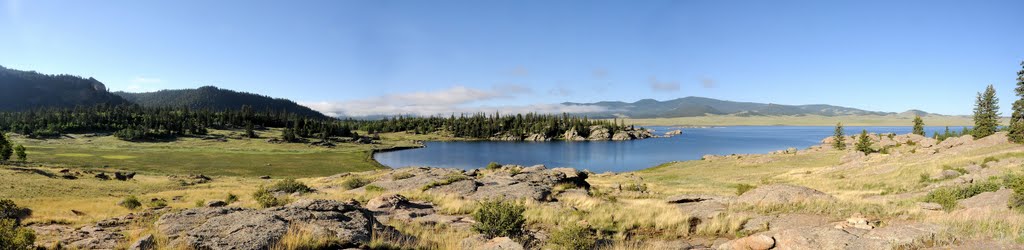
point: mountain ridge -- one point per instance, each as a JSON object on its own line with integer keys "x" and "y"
{"x": 692, "y": 106}
{"x": 211, "y": 97}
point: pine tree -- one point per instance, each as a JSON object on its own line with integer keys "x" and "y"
{"x": 5, "y": 152}
{"x": 918, "y": 126}
{"x": 840, "y": 140}
{"x": 249, "y": 132}
{"x": 20, "y": 152}
{"x": 986, "y": 113}
{"x": 1017, "y": 118}
{"x": 864, "y": 142}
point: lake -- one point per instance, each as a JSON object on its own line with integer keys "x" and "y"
{"x": 620, "y": 156}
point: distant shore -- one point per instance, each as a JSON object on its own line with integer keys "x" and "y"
{"x": 808, "y": 120}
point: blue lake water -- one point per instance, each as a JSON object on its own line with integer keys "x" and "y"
{"x": 620, "y": 156}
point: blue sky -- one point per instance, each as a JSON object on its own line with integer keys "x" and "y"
{"x": 426, "y": 56}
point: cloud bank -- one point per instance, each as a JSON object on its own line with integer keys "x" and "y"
{"x": 454, "y": 100}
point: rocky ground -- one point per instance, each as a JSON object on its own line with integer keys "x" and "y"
{"x": 815, "y": 198}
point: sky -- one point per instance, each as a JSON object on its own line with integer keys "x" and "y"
{"x": 360, "y": 57}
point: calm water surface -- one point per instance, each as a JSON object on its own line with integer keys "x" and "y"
{"x": 619, "y": 156}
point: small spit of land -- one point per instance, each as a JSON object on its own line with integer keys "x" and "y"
{"x": 912, "y": 193}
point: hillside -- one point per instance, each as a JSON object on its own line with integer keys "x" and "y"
{"x": 25, "y": 90}
{"x": 700, "y": 106}
{"x": 210, "y": 97}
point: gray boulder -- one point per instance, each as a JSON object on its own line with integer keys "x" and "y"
{"x": 781, "y": 194}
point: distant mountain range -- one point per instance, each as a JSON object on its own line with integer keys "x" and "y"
{"x": 210, "y": 97}
{"x": 701, "y": 106}
{"x": 27, "y": 90}
{"x": 24, "y": 90}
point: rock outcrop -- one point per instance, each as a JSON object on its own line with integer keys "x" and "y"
{"x": 348, "y": 224}
{"x": 781, "y": 194}
{"x": 513, "y": 182}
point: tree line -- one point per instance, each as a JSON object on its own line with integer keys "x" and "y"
{"x": 135, "y": 122}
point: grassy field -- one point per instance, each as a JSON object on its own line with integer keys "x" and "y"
{"x": 810, "y": 120}
{"x": 235, "y": 157}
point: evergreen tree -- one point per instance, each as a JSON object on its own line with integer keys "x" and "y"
{"x": 20, "y": 152}
{"x": 986, "y": 113}
{"x": 840, "y": 140}
{"x": 864, "y": 142}
{"x": 918, "y": 126}
{"x": 1017, "y": 118}
{"x": 5, "y": 152}
{"x": 249, "y": 132}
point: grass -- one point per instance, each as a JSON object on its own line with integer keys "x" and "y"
{"x": 236, "y": 157}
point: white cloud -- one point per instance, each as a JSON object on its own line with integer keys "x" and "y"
{"x": 454, "y": 100}
{"x": 146, "y": 80}
{"x": 663, "y": 86}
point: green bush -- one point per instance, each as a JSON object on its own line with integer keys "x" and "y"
{"x": 290, "y": 186}
{"x": 131, "y": 202}
{"x": 158, "y": 203}
{"x": 200, "y": 203}
{"x": 232, "y": 198}
{"x": 989, "y": 159}
{"x": 402, "y": 176}
{"x": 11, "y": 211}
{"x": 452, "y": 178}
{"x": 374, "y": 188}
{"x": 15, "y": 237}
{"x": 947, "y": 196}
{"x": 743, "y": 188}
{"x": 266, "y": 198}
{"x": 499, "y": 218}
{"x": 493, "y": 165}
{"x": 354, "y": 182}
{"x": 574, "y": 237}
{"x": 635, "y": 187}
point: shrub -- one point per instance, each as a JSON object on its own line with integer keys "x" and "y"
{"x": 131, "y": 202}
{"x": 636, "y": 187}
{"x": 13, "y": 236}
{"x": 743, "y": 188}
{"x": 266, "y": 198}
{"x": 354, "y": 182}
{"x": 158, "y": 203}
{"x": 402, "y": 176}
{"x": 947, "y": 196}
{"x": 200, "y": 203}
{"x": 290, "y": 186}
{"x": 499, "y": 218}
{"x": 493, "y": 165}
{"x": 452, "y": 178}
{"x": 574, "y": 237}
{"x": 989, "y": 159}
{"x": 958, "y": 169}
{"x": 374, "y": 188}
{"x": 925, "y": 178}
{"x": 232, "y": 198}
{"x": 11, "y": 211}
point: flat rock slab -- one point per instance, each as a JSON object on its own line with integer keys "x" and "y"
{"x": 781, "y": 194}
{"x": 987, "y": 201}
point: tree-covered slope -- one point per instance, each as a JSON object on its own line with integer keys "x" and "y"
{"x": 26, "y": 90}
{"x": 214, "y": 98}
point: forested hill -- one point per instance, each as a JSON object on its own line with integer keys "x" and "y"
{"x": 214, "y": 98}
{"x": 700, "y": 106}
{"x": 26, "y": 90}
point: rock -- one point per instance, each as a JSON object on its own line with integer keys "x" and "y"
{"x": 687, "y": 198}
{"x": 622, "y": 136}
{"x": 781, "y": 194}
{"x": 534, "y": 168}
{"x": 241, "y": 230}
{"x": 216, "y": 203}
{"x": 501, "y": 243}
{"x": 857, "y": 221}
{"x": 599, "y": 133}
{"x": 461, "y": 188}
{"x": 754, "y": 242}
{"x": 784, "y": 222}
{"x": 990, "y": 201}
{"x": 387, "y": 202}
{"x": 536, "y": 137}
{"x": 572, "y": 135}
{"x": 147, "y": 242}
{"x": 674, "y": 132}
{"x": 265, "y": 177}
{"x": 929, "y": 206}
{"x": 947, "y": 174}
{"x": 222, "y": 228}
{"x": 102, "y": 176}
{"x": 124, "y": 176}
